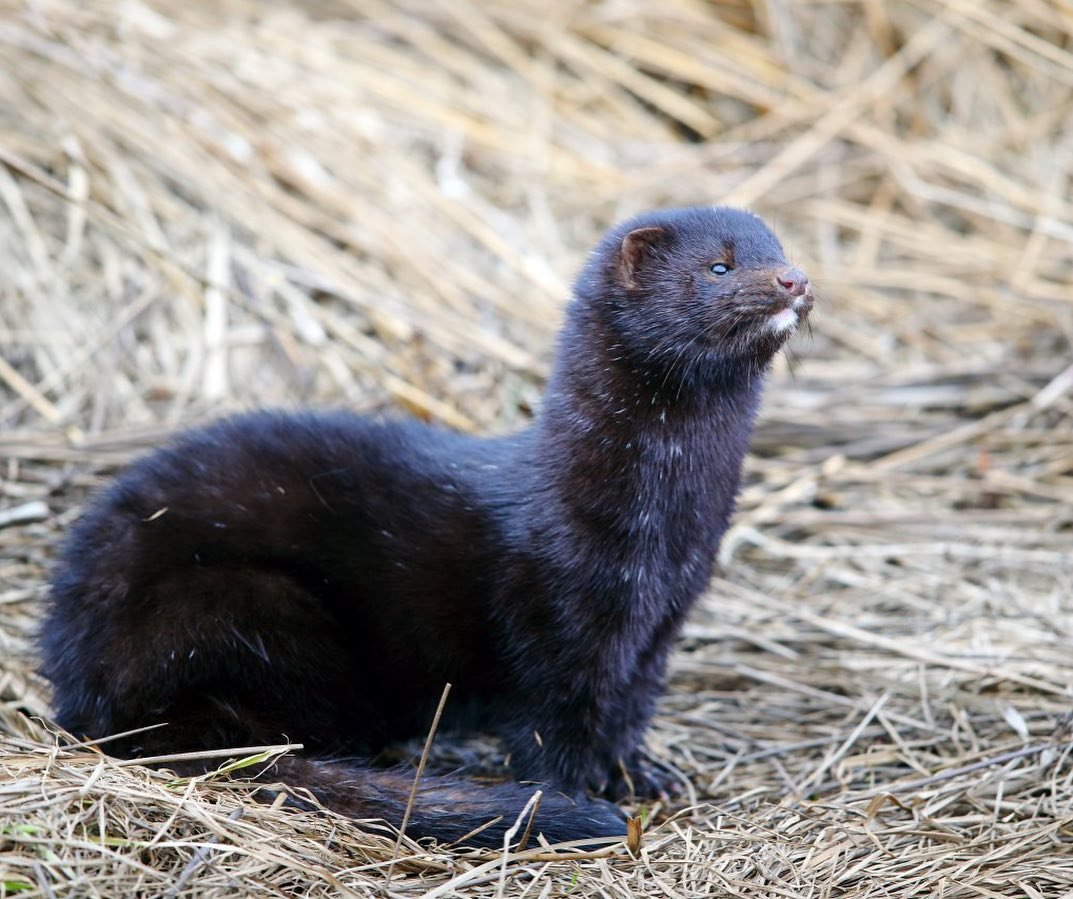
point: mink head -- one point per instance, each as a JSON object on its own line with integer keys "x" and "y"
{"x": 688, "y": 290}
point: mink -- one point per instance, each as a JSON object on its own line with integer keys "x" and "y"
{"x": 318, "y": 576}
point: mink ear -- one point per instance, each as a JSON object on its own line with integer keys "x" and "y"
{"x": 637, "y": 246}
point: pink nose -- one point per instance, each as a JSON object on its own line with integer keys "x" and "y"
{"x": 793, "y": 281}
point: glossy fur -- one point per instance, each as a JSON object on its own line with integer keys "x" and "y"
{"x": 319, "y": 576}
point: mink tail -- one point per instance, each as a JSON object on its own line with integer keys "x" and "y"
{"x": 448, "y": 809}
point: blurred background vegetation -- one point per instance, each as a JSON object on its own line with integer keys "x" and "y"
{"x": 373, "y": 203}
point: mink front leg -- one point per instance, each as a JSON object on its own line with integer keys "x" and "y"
{"x": 559, "y": 744}
{"x": 584, "y": 730}
{"x": 630, "y": 775}
{"x": 581, "y": 695}
{"x": 566, "y": 736}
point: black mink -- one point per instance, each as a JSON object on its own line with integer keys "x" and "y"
{"x": 319, "y": 576}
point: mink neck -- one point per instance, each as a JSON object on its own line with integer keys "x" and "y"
{"x": 632, "y": 455}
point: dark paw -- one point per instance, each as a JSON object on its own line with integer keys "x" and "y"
{"x": 639, "y": 780}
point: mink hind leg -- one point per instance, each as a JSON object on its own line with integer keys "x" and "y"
{"x": 221, "y": 657}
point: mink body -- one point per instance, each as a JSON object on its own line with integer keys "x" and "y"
{"x": 319, "y": 576}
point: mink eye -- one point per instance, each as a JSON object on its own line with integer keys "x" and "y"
{"x": 719, "y": 268}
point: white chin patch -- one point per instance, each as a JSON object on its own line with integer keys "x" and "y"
{"x": 784, "y": 321}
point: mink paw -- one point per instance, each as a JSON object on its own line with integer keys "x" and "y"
{"x": 639, "y": 779}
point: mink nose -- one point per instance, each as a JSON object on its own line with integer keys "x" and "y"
{"x": 793, "y": 281}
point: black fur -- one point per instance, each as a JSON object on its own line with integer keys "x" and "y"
{"x": 320, "y": 576}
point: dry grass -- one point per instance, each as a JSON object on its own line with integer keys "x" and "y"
{"x": 206, "y": 206}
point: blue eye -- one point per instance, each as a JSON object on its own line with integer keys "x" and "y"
{"x": 719, "y": 268}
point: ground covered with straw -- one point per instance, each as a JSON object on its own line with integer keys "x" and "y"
{"x": 211, "y": 206}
